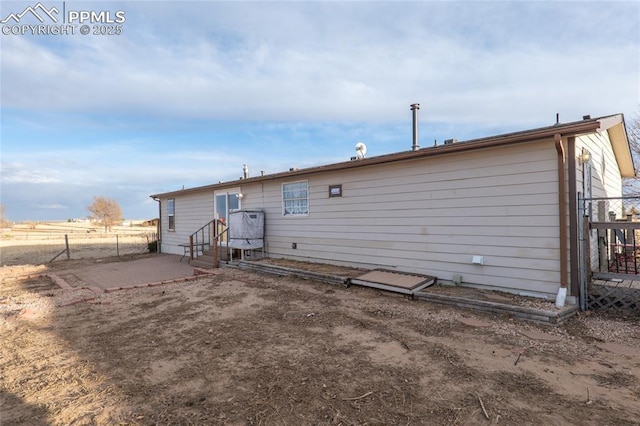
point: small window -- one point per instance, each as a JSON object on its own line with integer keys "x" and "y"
{"x": 171, "y": 212}
{"x": 335, "y": 191}
{"x": 295, "y": 199}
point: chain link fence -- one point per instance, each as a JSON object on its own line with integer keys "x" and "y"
{"x": 613, "y": 209}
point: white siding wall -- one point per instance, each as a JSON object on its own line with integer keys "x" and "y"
{"x": 431, "y": 216}
{"x": 191, "y": 212}
{"x": 605, "y": 179}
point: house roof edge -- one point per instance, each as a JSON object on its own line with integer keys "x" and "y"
{"x": 564, "y": 129}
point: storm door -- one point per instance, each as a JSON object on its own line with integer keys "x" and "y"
{"x": 225, "y": 202}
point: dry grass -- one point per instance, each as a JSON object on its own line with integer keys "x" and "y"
{"x": 39, "y": 243}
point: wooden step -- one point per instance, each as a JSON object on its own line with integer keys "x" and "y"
{"x": 204, "y": 261}
{"x": 222, "y": 253}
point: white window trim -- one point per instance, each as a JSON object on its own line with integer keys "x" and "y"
{"x": 169, "y": 215}
{"x": 283, "y": 200}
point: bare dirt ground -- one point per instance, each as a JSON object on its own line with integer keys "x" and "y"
{"x": 244, "y": 348}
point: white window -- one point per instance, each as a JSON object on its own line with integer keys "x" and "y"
{"x": 295, "y": 199}
{"x": 171, "y": 211}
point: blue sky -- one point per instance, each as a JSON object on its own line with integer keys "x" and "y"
{"x": 191, "y": 91}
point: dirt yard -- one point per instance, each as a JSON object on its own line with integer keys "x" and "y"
{"x": 243, "y": 348}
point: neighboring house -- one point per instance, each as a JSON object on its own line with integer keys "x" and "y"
{"x": 509, "y": 200}
{"x": 150, "y": 222}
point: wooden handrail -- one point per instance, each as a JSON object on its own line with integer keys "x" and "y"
{"x": 216, "y": 240}
{"x": 194, "y": 240}
{"x": 208, "y": 237}
{"x": 614, "y": 225}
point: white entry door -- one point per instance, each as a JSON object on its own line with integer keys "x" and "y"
{"x": 225, "y": 202}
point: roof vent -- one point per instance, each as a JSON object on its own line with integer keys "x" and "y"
{"x": 361, "y": 150}
{"x": 586, "y": 117}
{"x": 450, "y": 141}
{"x": 293, "y": 169}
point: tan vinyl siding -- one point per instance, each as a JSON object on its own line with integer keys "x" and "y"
{"x": 430, "y": 211}
{"x": 191, "y": 212}
{"x": 430, "y": 216}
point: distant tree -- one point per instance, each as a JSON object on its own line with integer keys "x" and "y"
{"x": 105, "y": 211}
{"x": 4, "y": 223}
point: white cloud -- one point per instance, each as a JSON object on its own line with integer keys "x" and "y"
{"x": 193, "y": 90}
{"x": 51, "y": 206}
{"x": 24, "y": 173}
{"x": 331, "y": 62}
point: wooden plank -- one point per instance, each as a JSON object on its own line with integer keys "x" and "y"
{"x": 395, "y": 279}
{"x": 539, "y": 315}
{"x": 614, "y": 225}
{"x": 635, "y": 285}
{"x": 613, "y": 284}
{"x": 612, "y": 275}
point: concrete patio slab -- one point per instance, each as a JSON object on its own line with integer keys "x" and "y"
{"x": 163, "y": 267}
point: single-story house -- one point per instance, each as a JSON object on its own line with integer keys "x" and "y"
{"x": 499, "y": 212}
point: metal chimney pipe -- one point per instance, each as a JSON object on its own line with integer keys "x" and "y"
{"x": 245, "y": 171}
{"x": 415, "y": 108}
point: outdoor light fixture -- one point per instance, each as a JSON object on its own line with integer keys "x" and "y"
{"x": 585, "y": 156}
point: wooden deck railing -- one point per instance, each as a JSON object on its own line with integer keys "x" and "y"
{"x": 206, "y": 237}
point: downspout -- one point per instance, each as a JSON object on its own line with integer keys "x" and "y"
{"x": 574, "y": 289}
{"x": 562, "y": 214}
{"x": 159, "y": 229}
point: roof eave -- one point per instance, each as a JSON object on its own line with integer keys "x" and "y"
{"x": 615, "y": 127}
{"x": 568, "y": 129}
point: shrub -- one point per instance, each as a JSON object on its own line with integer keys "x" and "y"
{"x": 153, "y": 246}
